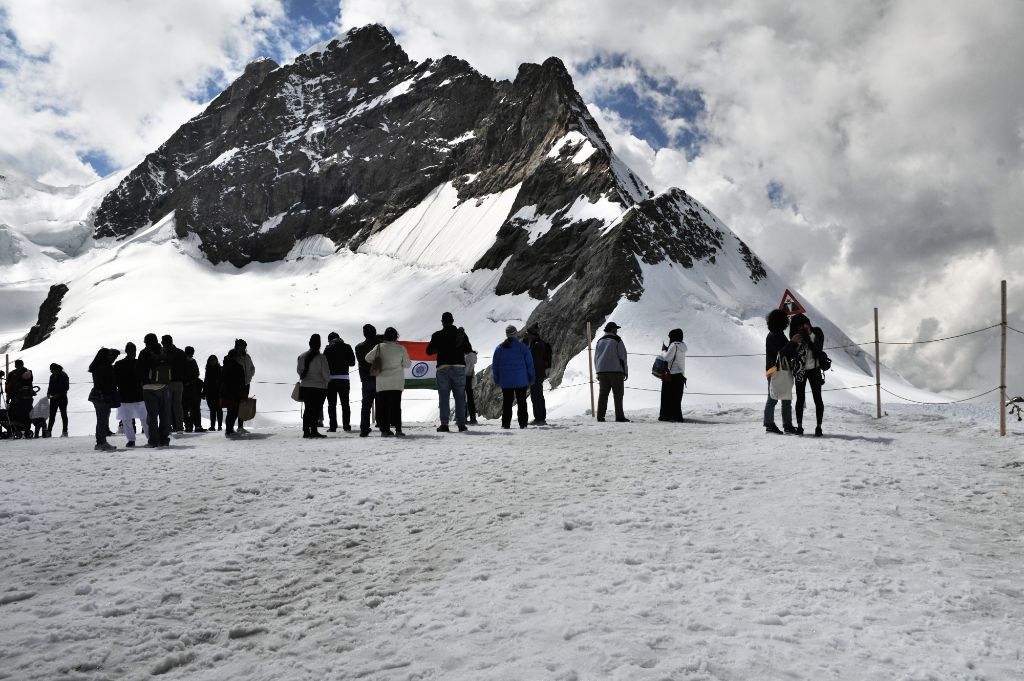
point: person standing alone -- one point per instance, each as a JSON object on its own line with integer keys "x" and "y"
{"x": 612, "y": 371}
{"x": 674, "y": 381}
{"x": 57, "y": 391}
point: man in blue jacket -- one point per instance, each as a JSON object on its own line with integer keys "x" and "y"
{"x": 513, "y": 371}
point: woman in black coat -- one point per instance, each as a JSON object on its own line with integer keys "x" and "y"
{"x": 810, "y": 345}
{"x": 103, "y": 394}
{"x": 776, "y": 344}
{"x": 211, "y": 391}
{"x": 232, "y": 389}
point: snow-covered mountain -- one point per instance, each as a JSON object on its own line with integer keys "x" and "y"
{"x": 355, "y": 185}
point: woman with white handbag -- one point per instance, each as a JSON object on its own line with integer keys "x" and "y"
{"x": 778, "y": 357}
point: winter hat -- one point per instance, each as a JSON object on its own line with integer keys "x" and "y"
{"x": 611, "y": 327}
{"x": 510, "y": 331}
{"x": 369, "y": 331}
{"x": 533, "y": 330}
{"x": 333, "y": 335}
{"x": 55, "y": 367}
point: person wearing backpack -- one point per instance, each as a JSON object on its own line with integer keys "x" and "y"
{"x": 810, "y": 349}
{"x": 103, "y": 394}
{"x": 130, "y": 394}
{"x": 612, "y": 371}
{"x": 20, "y": 395}
{"x": 154, "y": 367}
{"x": 540, "y": 350}
{"x": 673, "y": 381}
{"x": 314, "y": 376}
{"x": 340, "y": 358}
{"x": 778, "y": 351}
{"x": 57, "y": 391}
{"x": 393, "y": 359}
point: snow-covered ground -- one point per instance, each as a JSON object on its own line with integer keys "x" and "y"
{"x": 891, "y": 549}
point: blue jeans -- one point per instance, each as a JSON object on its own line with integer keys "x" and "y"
{"x": 102, "y": 421}
{"x": 769, "y": 410}
{"x": 450, "y": 380}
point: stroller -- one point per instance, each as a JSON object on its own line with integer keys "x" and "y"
{"x": 16, "y": 419}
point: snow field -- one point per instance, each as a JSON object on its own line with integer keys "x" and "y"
{"x": 705, "y": 550}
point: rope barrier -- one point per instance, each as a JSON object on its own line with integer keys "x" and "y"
{"x": 1013, "y": 329}
{"x": 966, "y": 399}
{"x": 936, "y": 340}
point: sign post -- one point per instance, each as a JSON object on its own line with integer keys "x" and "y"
{"x": 878, "y": 373}
{"x": 1002, "y": 365}
{"x": 590, "y": 366}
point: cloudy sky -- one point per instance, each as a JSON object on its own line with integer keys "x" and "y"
{"x": 871, "y": 152}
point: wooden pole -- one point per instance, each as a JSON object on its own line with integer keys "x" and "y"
{"x": 590, "y": 365}
{"x": 878, "y": 373}
{"x": 1002, "y": 365}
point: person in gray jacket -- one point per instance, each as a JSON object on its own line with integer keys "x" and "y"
{"x": 314, "y": 375}
{"x": 612, "y": 371}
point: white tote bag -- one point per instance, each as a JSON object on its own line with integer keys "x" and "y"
{"x": 780, "y": 387}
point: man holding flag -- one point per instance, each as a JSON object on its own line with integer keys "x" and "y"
{"x": 449, "y": 345}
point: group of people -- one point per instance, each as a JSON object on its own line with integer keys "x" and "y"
{"x": 518, "y": 366}
{"x": 799, "y": 360}
{"x": 163, "y": 387}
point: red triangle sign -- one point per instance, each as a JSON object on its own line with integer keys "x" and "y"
{"x": 790, "y": 304}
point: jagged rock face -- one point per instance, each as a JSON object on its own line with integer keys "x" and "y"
{"x": 343, "y": 141}
{"x": 48, "y": 312}
{"x": 348, "y": 138}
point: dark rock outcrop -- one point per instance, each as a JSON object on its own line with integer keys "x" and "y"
{"x": 47, "y": 321}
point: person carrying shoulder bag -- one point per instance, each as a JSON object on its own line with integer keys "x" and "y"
{"x": 673, "y": 380}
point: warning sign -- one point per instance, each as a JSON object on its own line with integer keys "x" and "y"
{"x": 790, "y": 304}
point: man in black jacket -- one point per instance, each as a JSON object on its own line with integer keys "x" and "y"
{"x": 367, "y": 382}
{"x": 340, "y": 357}
{"x": 177, "y": 384}
{"x": 129, "y": 394}
{"x": 57, "y": 392}
{"x": 541, "y": 352}
{"x": 450, "y": 345}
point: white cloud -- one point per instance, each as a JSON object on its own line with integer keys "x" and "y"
{"x": 118, "y": 78}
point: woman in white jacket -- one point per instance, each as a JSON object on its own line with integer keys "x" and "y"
{"x": 390, "y": 382}
{"x": 314, "y": 375}
{"x": 674, "y": 380}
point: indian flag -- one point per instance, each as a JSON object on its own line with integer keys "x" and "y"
{"x": 423, "y": 372}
